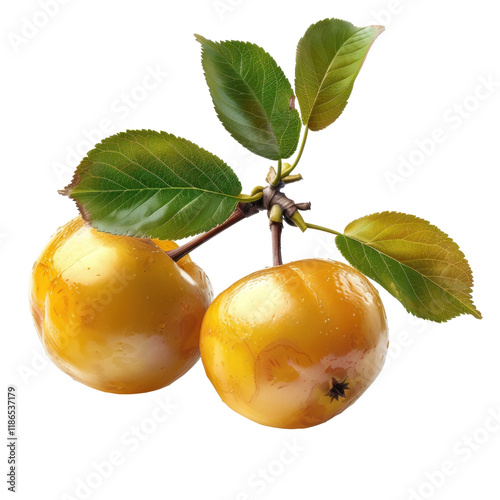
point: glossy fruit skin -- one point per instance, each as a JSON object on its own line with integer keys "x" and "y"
{"x": 116, "y": 313}
{"x": 272, "y": 342}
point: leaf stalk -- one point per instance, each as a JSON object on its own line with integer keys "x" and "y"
{"x": 321, "y": 228}
{"x": 289, "y": 170}
{"x": 276, "y": 226}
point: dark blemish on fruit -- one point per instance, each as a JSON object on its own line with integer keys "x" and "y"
{"x": 338, "y": 389}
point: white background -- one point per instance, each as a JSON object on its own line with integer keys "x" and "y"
{"x": 431, "y": 403}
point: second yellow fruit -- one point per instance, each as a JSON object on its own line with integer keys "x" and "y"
{"x": 294, "y": 345}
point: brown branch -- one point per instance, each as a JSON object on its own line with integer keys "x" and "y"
{"x": 243, "y": 210}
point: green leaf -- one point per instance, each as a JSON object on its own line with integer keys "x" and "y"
{"x": 252, "y": 97}
{"x": 414, "y": 261}
{"x": 145, "y": 183}
{"x": 329, "y": 58}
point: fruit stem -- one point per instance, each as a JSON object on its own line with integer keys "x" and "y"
{"x": 276, "y": 226}
{"x": 276, "y": 229}
{"x": 243, "y": 210}
{"x": 289, "y": 170}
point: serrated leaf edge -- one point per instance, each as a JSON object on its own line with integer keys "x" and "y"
{"x": 202, "y": 40}
{"x": 379, "y": 30}
{"x": 470, "y": 307}
{"x": 67, "y": 190}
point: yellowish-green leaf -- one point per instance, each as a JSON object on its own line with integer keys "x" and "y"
{"x": 329, "y": 58}
{"x": 413, "y": 260}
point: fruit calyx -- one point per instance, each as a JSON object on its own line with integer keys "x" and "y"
{"x": 338, "y": 389}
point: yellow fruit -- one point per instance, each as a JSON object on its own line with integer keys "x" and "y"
{"x": 294, "y": 345}
{"x": 116, "y": 313}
